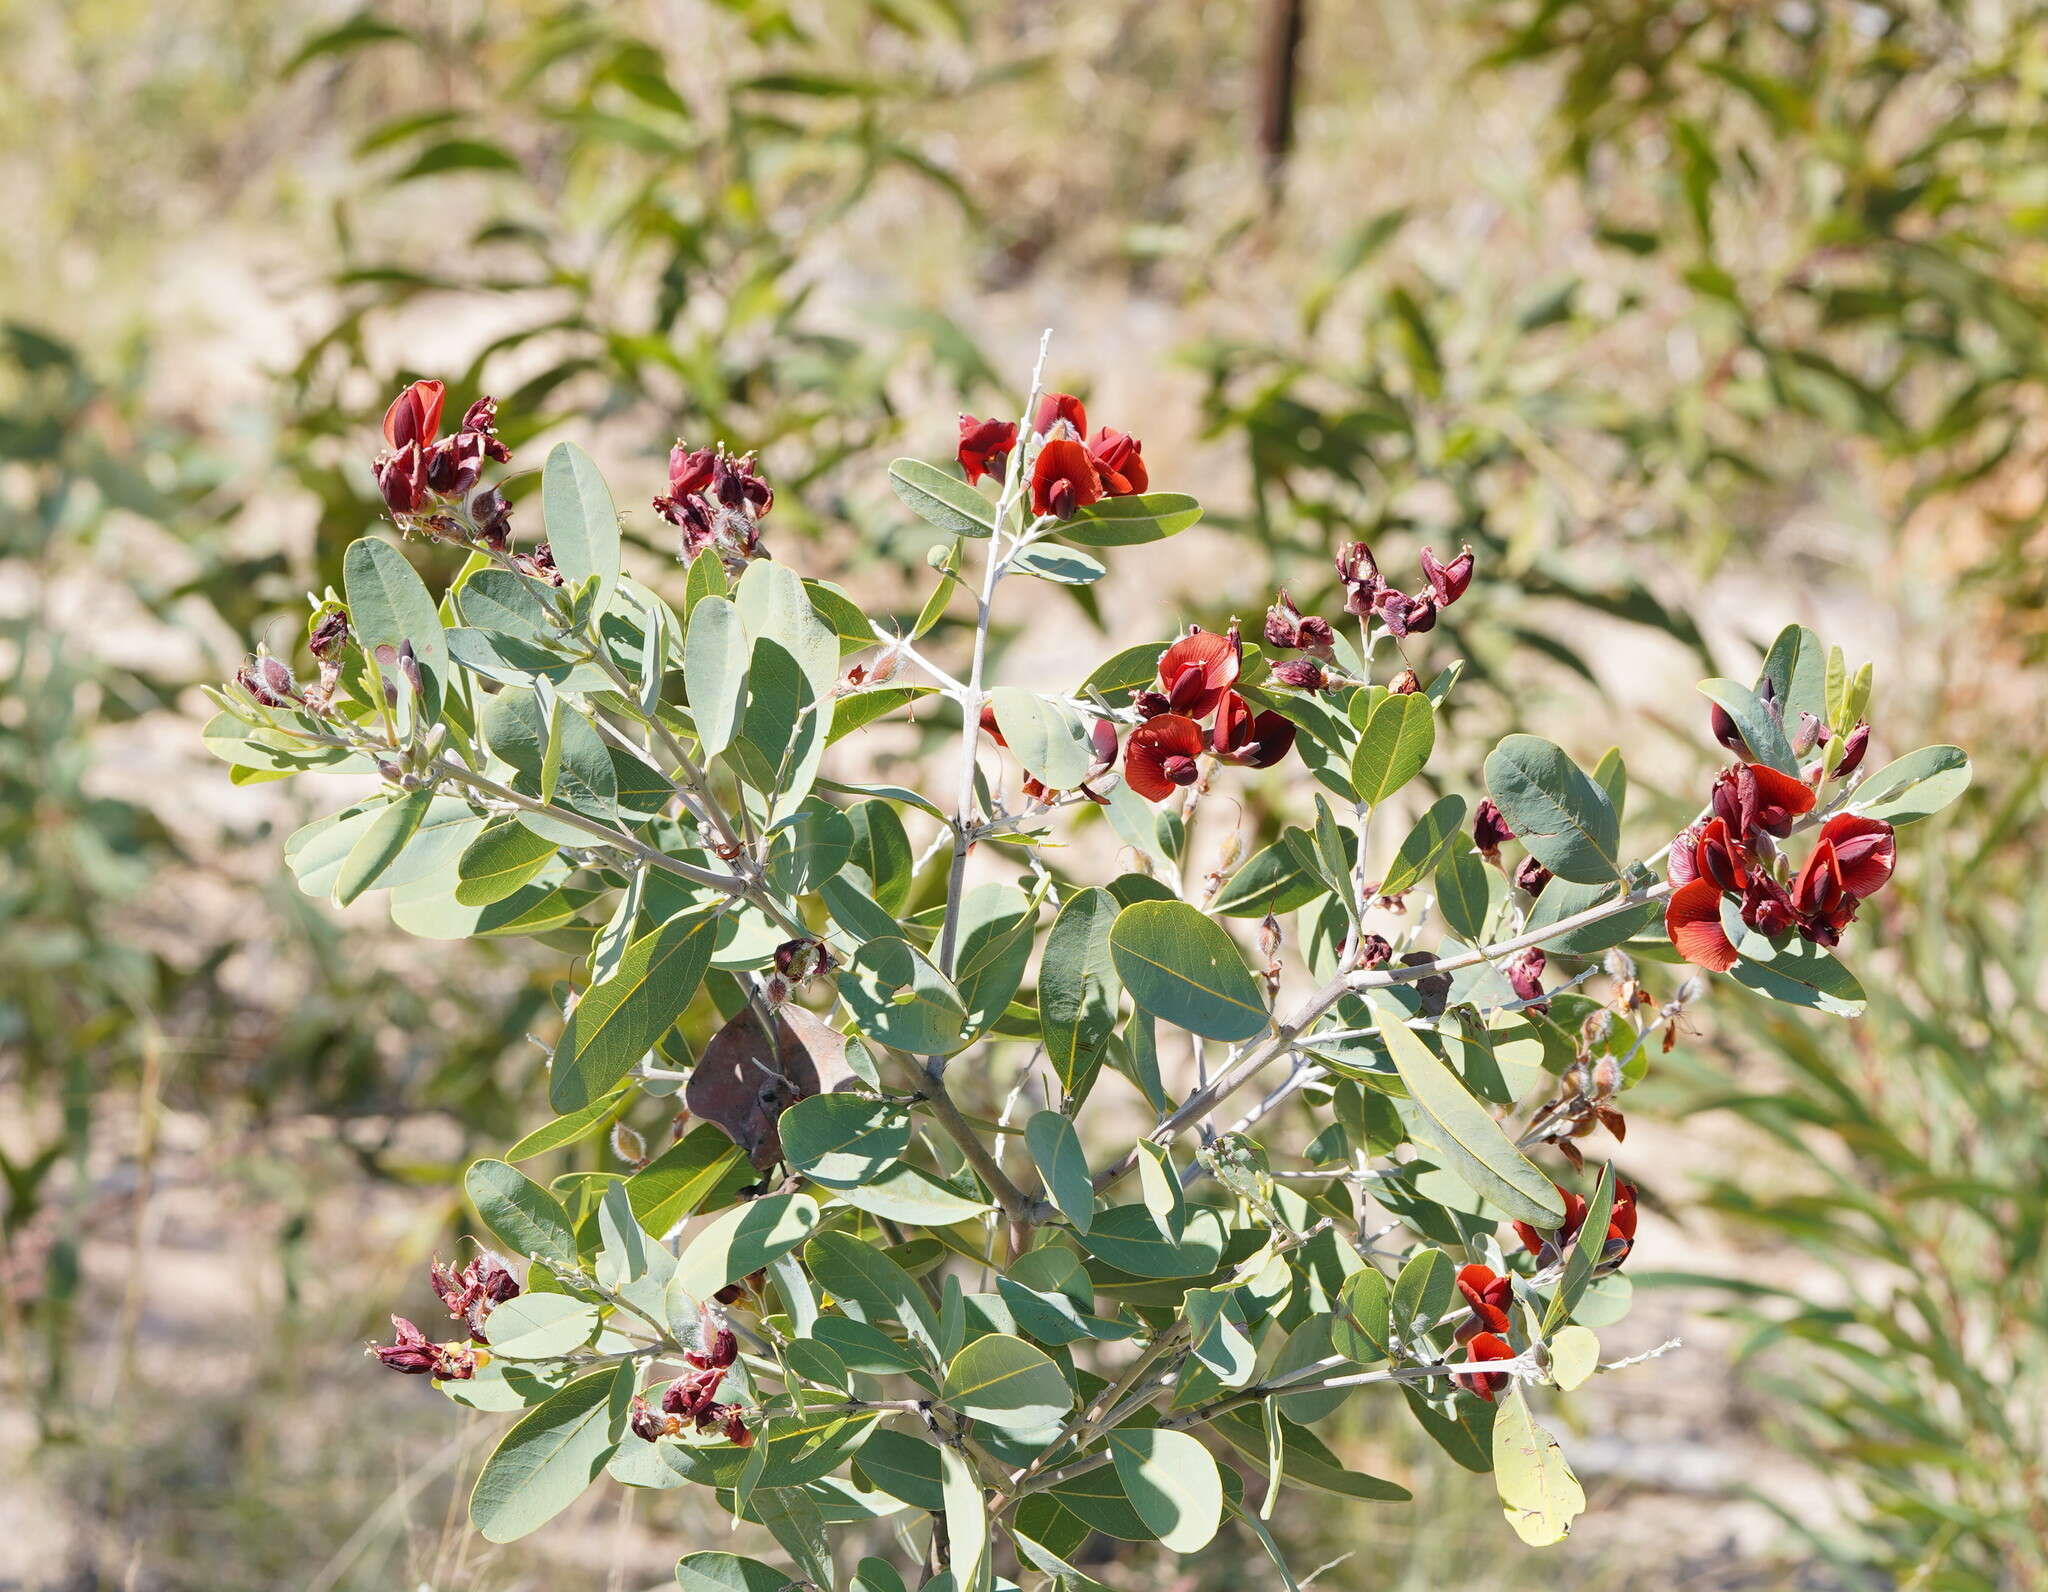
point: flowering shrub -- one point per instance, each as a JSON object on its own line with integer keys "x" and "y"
{"x": 887, "y": 1262}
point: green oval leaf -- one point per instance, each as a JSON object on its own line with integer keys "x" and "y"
{"x": 1393, "y": 747}
{"x": 1047, "y": 737}
{"x": 527, "y": 1219}
{"x": 1006, "y": 1382}
{"x": 715, "y": 655}
{"x": 1181, "y": 967}
{"x": 582, "y": 522}
{"x": 743, "y": 1240}
{"x": 1063, "y": 1164}
{"x": 541, "y": 1326}
{"x": 1917, "y": 786}
{"x": 1077, "y": 989}
{"x": 1555, "y": 809}
{"x": 554, "y": 1452}
{"x": 1172, "y": 1482}
{"x": 1419, "y": 851}
{"x": 388, "y": 605}
{"x": 1128, "y": 521}
{"x": 1538, "y": 1492}
{"x": 941, "y": 499}
{"x": 499, "y": 861}
{"x": 840, "y": 1140}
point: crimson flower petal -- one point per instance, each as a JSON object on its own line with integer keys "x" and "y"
{"x": 1170, "y": 738}
{"x": 1692, "y": 919}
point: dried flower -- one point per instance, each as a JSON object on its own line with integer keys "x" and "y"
{"x": 1447, "y": 582}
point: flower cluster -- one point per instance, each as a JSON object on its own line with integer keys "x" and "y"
{"x": 1483, "y": 1331}
{"x": 1550, "y": 1248}
{"x": 718, "y": 500}
{"x": 470, "y": 1294}
{"x": 1368, "y": 595}
{"x": 423, "y": 469}
{"x": 690, "y": 1403}
{"x": 1732, "y": 855}
{"x": 1197, "y": 676}
{"x": 1069, "y": 473}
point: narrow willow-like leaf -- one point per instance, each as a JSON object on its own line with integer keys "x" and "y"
{"x": 1424, "y": 844}
{"x": 381, "y": 844}
{"x": 1128, "y": 521}
{"x": 1468, "y": 1141}
{"x": 1466, "y": 894}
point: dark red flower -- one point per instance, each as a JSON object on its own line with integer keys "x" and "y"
{"x": 690, "y": 469}
{"x": 1490, "y": 830}
{"x": 1053, "y": 407}
{"x": 473, "y": 1292}
{"x": 1162, "y": 755}
{"x": 1864, "y": 850}
{"x": 1524, "y": 974}
{"x": 1708, "y": 851}
{"x": 984, "y": 445}
{"x": 1374, "y": 951}
{"x": 414, "y": 418}
{"x": 1196, "y": 671}
{"x": 454, "y": 464}
{"x": 402, "y": 478}
{"x": 1116, "y": 456}
{"x": 1447, "y": 582}
{"x": 1063, "y": 479}
{"x": 1756, "y": 796}
{"x": 1403, "y": 615}
{"x": 989, "y": 727}
{"x": 1725, "y": 731}
{"x": 1240, "y": 736}
{"x": 1489, "y": 1295}
{"x": 1288, "y": 627}
{"x": 1621, "y": 1229}
{"x": 1361, "y": 577}
{"x": 1485, "y": 1384}
{"x": 413, "y": 1355}
{"x": 1692, "y": 920}
{"x": 1532, "y": 876}
{"x": 1302, "y": 674}
{"x": 739, "y": 486}
{"x": 1767, "y": 908}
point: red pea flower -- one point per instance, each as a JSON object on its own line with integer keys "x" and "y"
{"x": 1447, "y": 582}
{"x": 1196, "y": 671}
{"x": 1864, "y": 850}
{"x": 1053, "y": 407}
{"x": 1489, "y": 1295}
{"x": 1256, "y": 741}
{"x": 1692, "y": 922}
{"x": 1767, "y": 908}
{"x": 1621, "y": 1229}
{"x": 1525, "y": 976}
{"x": 413, "y": 1355}
{"x": 414, "y": 417}
{"x": 1161, "y": 755}
{"x": 1532, "y": 876}
{"x": 1485, "y": 1384}
{"x": 402, "y": 479}
{"x": 1360, "y": 574}
{"x": 1116, "y": 456}
{"x": 984, "y": 445}
{"x": 1063, "y": 480}
{"x": 1708, "y": 851}
{"x": 1756, "y": 796}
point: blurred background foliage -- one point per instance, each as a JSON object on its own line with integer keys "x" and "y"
{"x": 1692, "y": 318}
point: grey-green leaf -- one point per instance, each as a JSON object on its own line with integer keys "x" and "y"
{"x": 1056, "y": 1147}
{"x": 552, "y": 1454}
{"x": 1468, "y": 1142}
{"x": 388, "y": 605}
{"x": 715, "y": 655}
{"x": 618, "y": 1020}
{"x": 1555, "y": 809}
{"x": 582, "y": 522}
{"x": 942, "y": 500}
{"x": 1394, "y": 746}
{"x": 1917, "y": 786}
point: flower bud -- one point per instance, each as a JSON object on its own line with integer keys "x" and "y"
{"x": 269, "y": 681}
{"x": 1301, "y": 674}
{"x": 1725, "y": 731}
{"x": 1854, "y": 745}
{"x": 1269, "y": 937}
{"x": 414, "y": 418}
